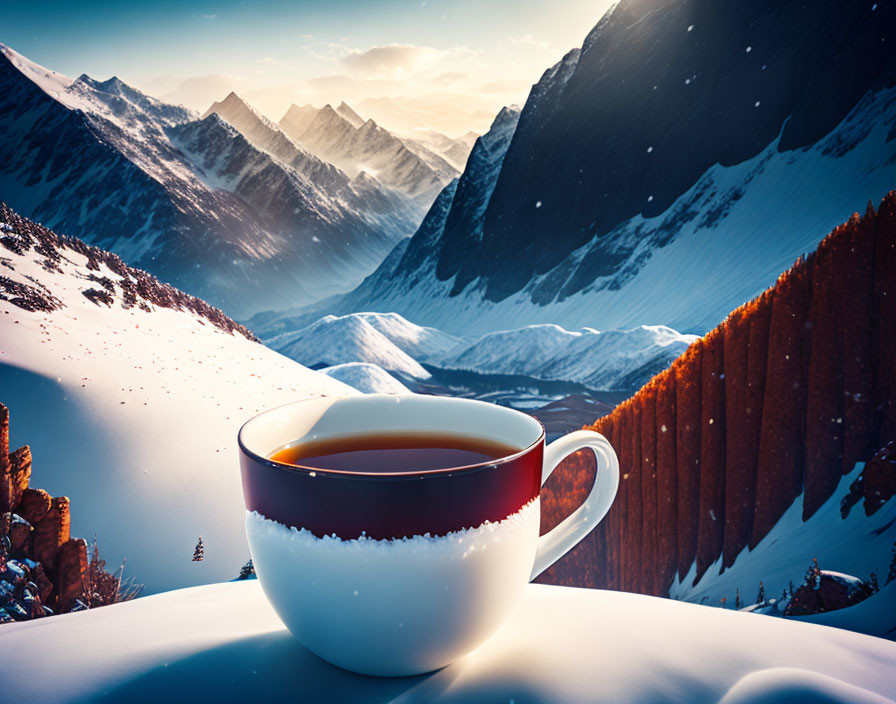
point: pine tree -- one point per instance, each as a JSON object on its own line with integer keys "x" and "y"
{"x": 790, "y": 589}
{"x": 872, "y": 582}
{"x": 760, "y": 598}
{"x": 199, "y": 551}
{"x": 247, "y": 571}
{"x": 738, "y": 604}
{"x": 813, "y": 575}
{"x": 891, "y": 575}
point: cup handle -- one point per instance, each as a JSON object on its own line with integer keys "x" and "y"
{"x": 562, "y": 538}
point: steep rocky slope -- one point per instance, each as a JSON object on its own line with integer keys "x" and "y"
{"x": 780, "y": 410}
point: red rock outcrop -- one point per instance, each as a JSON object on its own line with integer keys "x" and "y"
{"x": 48, "y": 571}
{"x": 783, "y": 397}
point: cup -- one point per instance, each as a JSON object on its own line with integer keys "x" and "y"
{"x": 402, "y": 573}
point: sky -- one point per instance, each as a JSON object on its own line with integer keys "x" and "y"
{"x": 447, "y": 65}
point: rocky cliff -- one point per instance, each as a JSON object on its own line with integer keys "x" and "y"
{"x": 783, "y": 398}
{"x": 43, "y": 570}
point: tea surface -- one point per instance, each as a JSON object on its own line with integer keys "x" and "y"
{"x": 393, "y": 453}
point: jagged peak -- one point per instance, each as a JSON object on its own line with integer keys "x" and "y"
{"x": 346, "y": 111}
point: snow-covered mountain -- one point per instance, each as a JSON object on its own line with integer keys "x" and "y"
{"x": 349, "y": 338}
{"x": 366, "y": 378}
{"x": 617, "y": 360}
{"x": 130, "y": 394}
{"x": 610, "y": 209}
{"x": 349, "y": 114}
{"x": 354, "y": 145}
{"x": 454, "y": 151}
{"x": 191, "y": 200}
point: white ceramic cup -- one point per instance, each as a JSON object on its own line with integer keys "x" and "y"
{"x": 399, "y": 574}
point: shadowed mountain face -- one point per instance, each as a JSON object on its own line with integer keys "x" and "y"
{"x": 660, "y": 92}
{"x": 194, "y": 201}
{"x": 662, "y": 174}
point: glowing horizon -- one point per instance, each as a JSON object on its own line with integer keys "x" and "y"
{"x": 424, "y": 65}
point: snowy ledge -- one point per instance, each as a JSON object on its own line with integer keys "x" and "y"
{"x": 223, "y": 642}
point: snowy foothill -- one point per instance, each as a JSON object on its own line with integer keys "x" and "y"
{"x": 366, "y": 378}
{"x": 336, "y": 340}
{"x": 133, "y": 415}
{"x": 224, "y": 642}
{"x": 612, "y": 360}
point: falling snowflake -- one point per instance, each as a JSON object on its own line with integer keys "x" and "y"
{"x": 649, "y": 149}
{"x": 538, "y": 204}
{"x": 690, "y": 27}
{"x": 749, "y": 49}
{"x": 649, "y": 199}
{"x": 756, "y": 104}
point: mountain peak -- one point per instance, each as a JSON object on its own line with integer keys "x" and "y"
{"x": 297, "y": 119}
{"x": 353, "y": 118}
{"x": 230, "y": 103}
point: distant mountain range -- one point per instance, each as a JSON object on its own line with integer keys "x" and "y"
{"x": 619, "y": 360}
{"x": 232, "y": 209}
{"x": 355, "y": 146}
{"x": 664, "y": 173}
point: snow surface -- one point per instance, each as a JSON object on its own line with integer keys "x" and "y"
{"x": 223, "y": 642}
{"x": 366, "y": 378}
{"x": 134, "y": 416}
{"x": 854, "y": 545}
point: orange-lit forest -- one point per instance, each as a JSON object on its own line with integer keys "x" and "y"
{"x": 782, "y": 398}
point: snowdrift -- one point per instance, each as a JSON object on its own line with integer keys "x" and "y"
{"x": 223, "y": 642}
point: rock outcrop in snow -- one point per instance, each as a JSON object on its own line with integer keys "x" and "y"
{"x": 43, "y": 570}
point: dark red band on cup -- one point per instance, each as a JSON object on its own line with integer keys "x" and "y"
{"x": 385, "y": 506}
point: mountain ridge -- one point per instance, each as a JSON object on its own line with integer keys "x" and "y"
{"x": 144, "y": 178}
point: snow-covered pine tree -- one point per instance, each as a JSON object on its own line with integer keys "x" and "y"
{"x": 760, "y": 598}
{"x": 199, "y": 551}
{"x": 738, "y": 604}
{"x": 872, "y": 582}
{"x": 247, "y": 571}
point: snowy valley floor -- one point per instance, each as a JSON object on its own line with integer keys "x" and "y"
{"x": 223, "y": 642}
